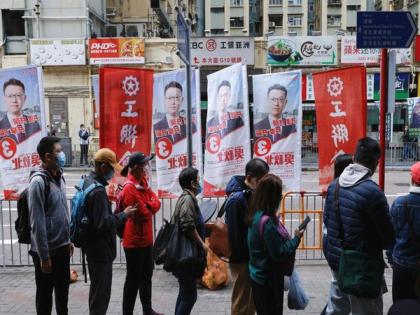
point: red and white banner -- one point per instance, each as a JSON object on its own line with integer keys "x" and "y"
{"x": 227, "y": 132}
{"x": 126, "y": 97}
{"x": 22, "y": 125}
{"x": 278, "y": 124}
{"x": 170, "y": 128}
{"x": 340, "y": 104}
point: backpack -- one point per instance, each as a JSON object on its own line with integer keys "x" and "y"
{"x": 22, "y": 224}
{"x": 79, "y": 224}
{"x": 119, "y": 207}
{"x": 84, "y": 134}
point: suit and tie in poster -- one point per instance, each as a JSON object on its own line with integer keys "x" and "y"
{"x": 22, "y": 125}
{"x": 278, "y": 124}
{"x": 227, "y": 132}
{"x": 170, "y": 128}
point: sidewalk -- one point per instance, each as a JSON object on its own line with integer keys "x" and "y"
{"x": 17, "y": 292}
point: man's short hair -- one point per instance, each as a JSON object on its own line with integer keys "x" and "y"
{"x": 256, "y": 168}
{"x": 222, "y": 84}
{"x": 367, "y": 153}
{"x": 46, "y": 145}
{"x": 173, "y": 84}
{"x": 82, "y": 125}
{"x": 186, "y": 176}
{"x": 13, "y": 81}
{"x": 277, "y": 87}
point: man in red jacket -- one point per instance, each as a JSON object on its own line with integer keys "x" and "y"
{"x": 138, "y": 234}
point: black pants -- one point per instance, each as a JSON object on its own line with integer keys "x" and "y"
{"x": 268, "y": 298}
{"x": 58, "y": 280}
{"x": 84, "y": 148}
{"x": 139, "y": 279}
{"x": 100, "y": 275}
{"x": 404, "y": 282}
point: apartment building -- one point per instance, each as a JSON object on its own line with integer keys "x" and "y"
{"x": 399, "y": 5}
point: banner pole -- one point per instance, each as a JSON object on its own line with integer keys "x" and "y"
{"x": 382, "y": 114}
{"x": 189, "y": 116}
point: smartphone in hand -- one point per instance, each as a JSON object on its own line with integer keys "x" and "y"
{"x": 304, "y": 224}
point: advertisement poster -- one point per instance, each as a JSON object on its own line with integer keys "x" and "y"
{"x": 402, "y": 83}
{"x": 22, "y": 125}
{"x": 278, "y": 124}
{"x": 126, "y": 97}
{"x": 116, "y": 50}
{"x": 58, "y": 52}
{"x": 302, "y": 50}
{"x": 227, "y": 146}
{"x": 413, "y": 105}
{"x": 340, "y": 105}
{"x": 170, "y": 128}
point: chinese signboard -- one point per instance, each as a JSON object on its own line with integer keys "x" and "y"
{"x": 57, "y": 52}
{"x": 302, "y": 50}
{"x": 214, "y": 51}
{"x": 116, "y": 50}
{"x": 401, "y": 86}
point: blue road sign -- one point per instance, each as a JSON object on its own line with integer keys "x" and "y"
{"x": 381, "y": 29}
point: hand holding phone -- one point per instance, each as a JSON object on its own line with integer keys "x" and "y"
{"x": 304, "y": 224}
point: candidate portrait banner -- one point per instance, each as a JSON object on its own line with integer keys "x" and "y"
{"x": 340, "y": 103}
{"x": 170, "y": 128}
{"x": 413, "y": 106}
{"x": 22, "y": 126}
{"x": 96, "y": 104}
{"x": 227, "y": 146}
{"x": 126, "y": 96}
{"x": 278, "y": 124}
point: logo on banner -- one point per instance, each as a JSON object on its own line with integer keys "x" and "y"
{"x": 130, "y": 85}
{"x": 8, "y": 148}
{"x": 213, "y": 143}
{"x": 163, "y": 148}
{"x": 335, "y": 86}
{"x": 262, "y": 146}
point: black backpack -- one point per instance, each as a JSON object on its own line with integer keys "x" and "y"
{"x": 22, "y": 225}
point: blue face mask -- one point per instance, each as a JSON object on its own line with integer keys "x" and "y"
{"x": 61, "y": 159}
{"x": 108, "y": 176}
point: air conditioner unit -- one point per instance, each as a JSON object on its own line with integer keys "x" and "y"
{"x": 134, "y": 30}
{"x": 272, "y": 24}
{"x": 113, "y": 30}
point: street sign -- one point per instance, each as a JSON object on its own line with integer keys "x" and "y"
{"x": 183, "y": 37}
{"x": 376, "y": 29}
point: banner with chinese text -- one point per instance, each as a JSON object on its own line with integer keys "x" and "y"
{"x": 170, "y": 128}
{"x": 340, "y": 103}
{"x": 278, "y": 124}
{"x": 22, "y": 125}
{"x": 413, "y": 106}
{"x": 227, "y": 146}
{"x": 126, "y": 96}
{"x": 119, "y": 50}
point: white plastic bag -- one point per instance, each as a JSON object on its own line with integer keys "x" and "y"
{"x": 297, "y": 299}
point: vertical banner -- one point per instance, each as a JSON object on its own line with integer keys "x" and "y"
{"x": 278, "y": 124}
{"x": 413, "y": 106}
{"x": 170, "y": 128}
{"x": 340, "y": 104}
{"x": 126, "y": 96}
{"x": 95, "y": 87}
{"x": 22, "y": 125}
{"x": 227, "y": 147}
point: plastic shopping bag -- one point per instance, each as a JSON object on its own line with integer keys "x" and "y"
{"x": 297, "y": 298}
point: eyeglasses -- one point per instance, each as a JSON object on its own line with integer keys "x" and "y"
{"x": 277, "y": 100}
{"x": 174, "y": 98}
{"x": 12, "y": 96}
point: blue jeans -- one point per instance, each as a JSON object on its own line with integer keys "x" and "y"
{"x": 187, "y": 295}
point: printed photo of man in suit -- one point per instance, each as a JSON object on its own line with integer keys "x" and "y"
{"x": 275, "y": 126}
{"x": 15, "y": 124}
{"x": 224, "y": 122}
{"x": 173, "y": 126}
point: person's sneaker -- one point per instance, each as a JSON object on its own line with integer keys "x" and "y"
{"x": 154, "y": 313}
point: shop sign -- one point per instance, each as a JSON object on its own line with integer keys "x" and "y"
{"x": 57, "y": 52}
{"x": 401, "y": 86}
{"x": 128, "y": 50}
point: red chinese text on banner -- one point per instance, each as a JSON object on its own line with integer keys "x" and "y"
{"x": 340, "y": 104}
{"x": 126, "y": 97}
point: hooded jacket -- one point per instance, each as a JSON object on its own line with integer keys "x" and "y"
{"x": 364, "y": 215}
{"x": 236, "y": 210}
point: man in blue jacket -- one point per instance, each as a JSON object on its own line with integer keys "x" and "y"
{"x": 365, "y": 221}
{"x": 239, "y": 190}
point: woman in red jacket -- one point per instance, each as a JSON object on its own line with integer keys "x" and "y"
{"x": 138, "y": 234}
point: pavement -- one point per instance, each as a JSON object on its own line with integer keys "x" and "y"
{"x": 17, "y": 292}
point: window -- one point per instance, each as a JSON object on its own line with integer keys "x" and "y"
{"x": 334, "y": 20}
{"x": 236, "y": 22}
{"x": 275, "y": 20}
{"x": 217, "y": 31}
{"x": 13, "y": 23}
{"x": 294, "y": 20}
{"x": 217, "y": 10}
{"x": 276, "y": 2}
{"x": 295, "y": 2}
{"x": 236, "y": 3}
{"x": 353, "y": 7}
{"x": 334, "y": 2}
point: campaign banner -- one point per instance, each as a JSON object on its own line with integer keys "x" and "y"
{"x": 170, "y": 128}
{"x": 95, "y": 87}
{"x": 126, "y": 96}
{"x": 227, "y": 146}
{"x": 22, "y": 126}
{"x": 116, "y": 50}
{"x": 402, "y": 84}
{"x": 278, "y": 124}
{"x": 340, "y": 105}
{"x": 58, "y": 52}
{"x": 413, "y": 106}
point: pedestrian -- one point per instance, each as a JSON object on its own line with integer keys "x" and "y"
{"x": 338, "y": 301}
{"x": 188, "y": 215}
{"x": 268, "y": 247}
{"x": 362, "y": 210}
{"x": 138, "y": 234}
{"x": 50, "y": 228}
{"x": 84, "y": 134}
{"x": 239, "y": 190}
{"x": 405, "y": 254}
{"x": 101, "y": 242}
{"x": 406, "y": 138}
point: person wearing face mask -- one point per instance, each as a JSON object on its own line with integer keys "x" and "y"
{"x": 138, "y": 234}
{"x": 50, "y": 228}
{"x": 101, "y": 241}
{"x": 188, "y": 215}
{"x": 239, "y": 190}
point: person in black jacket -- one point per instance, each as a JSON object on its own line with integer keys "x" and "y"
{"x": 239, "y": 190}
{"x": 101, "y": 244}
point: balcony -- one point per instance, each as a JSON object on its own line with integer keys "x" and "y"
{"x": 334, "y": 3}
